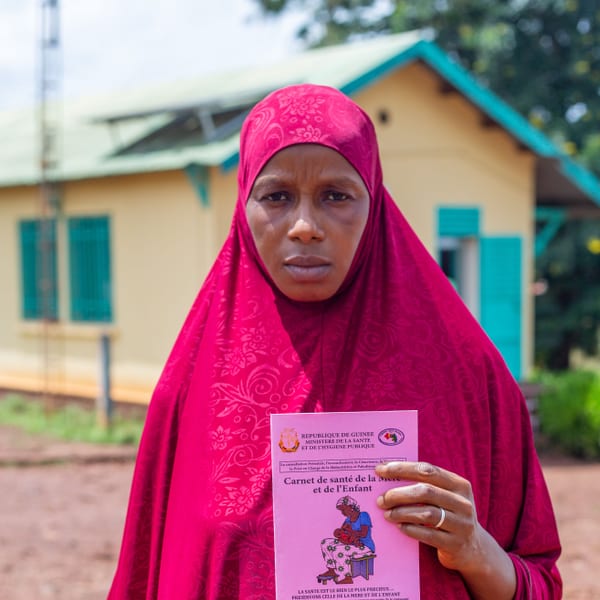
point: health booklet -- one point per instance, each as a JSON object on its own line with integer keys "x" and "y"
{"x": 331, "y": 539}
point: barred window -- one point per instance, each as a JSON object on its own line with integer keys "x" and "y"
{"x": 89, "y": 268}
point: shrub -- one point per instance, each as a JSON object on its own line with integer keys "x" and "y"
{"x": 569, "y": 411}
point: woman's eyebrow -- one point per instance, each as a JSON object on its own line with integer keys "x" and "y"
{"x": 327, "y": 179}
{"x": 269, "y": 180}
{"x": 343, "y": 180}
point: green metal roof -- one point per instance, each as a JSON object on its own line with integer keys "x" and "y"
{"x": 93, "y": 131}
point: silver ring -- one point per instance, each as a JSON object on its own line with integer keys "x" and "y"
{"x": 442, "y": 518}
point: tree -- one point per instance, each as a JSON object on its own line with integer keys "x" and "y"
{"x": 567, "y": 315}
{"x": 540, "y": 56}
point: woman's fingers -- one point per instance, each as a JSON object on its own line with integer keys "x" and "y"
{"x": 424, "y": 483}
{"x": 425, "y": 497}
{"x": 428, "y": 485}
{"x": 426, "y": 473}
{"x": 434, "y": 506}
{"x": 428, "y": 515}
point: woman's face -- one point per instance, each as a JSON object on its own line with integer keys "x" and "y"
{"x": 349, "y": 511}
{"x": 307, "y": 210}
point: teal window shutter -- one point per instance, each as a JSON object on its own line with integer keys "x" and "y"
{"x": 38, "y": 269}
{"x": 548, "y": 222}
{"x": 90, "y": 271}
{"x": 199, "y": 177}
{"x": 458, "y": 222}
{"x": 501, "y": 296}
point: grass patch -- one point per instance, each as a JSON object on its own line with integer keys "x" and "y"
{"x": 68, "y": 422}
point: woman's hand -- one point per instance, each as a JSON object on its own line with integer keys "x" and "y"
{"x": 438, "y": 509}
{"x": 417, "y": 509}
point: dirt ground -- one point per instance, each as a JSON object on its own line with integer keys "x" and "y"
{"x": 62, "y": 508}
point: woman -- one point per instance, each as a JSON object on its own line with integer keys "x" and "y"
{"x": 323, "y": 299}
{"x": 350, "y": 541}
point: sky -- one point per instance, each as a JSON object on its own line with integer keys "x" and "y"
{"x": 112, "y": 44}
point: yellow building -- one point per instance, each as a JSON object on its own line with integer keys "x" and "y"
{"x": 147, "y": 184}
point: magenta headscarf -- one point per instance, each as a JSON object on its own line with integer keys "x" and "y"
{"x": 395, "y": 336}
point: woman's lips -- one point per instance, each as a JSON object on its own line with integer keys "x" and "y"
{"x": 307, "y": 269}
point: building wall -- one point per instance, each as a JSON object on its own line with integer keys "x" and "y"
{"x": 435, "y": 150}
{"x": 223, "y": 192}
{"x": 163, "y": 242}
{"x": 16, "y": 351}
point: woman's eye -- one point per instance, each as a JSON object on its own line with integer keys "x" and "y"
{"x": 332, "y": 196}
{"x": 276, "y": 197}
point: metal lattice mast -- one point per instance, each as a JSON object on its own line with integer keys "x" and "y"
{"x": 49, "y": 90}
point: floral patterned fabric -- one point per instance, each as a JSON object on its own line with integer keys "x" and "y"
{"x": 395, "y": 336}
{"x": 338, "y": 556}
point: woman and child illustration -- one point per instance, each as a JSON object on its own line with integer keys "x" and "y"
{"x": 351, "y": 541}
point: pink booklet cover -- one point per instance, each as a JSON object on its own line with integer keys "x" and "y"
{"x": 331, "y": 539}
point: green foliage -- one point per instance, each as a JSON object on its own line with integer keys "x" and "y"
{"x": 567, "y": 316}
{"x": 590, "y": 153}
{"x": 541, "y": 56}
{"x": 71, "y": 422}
{"x": 569, "y": 411}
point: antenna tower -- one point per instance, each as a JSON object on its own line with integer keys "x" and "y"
{"x": 49, "y": 90}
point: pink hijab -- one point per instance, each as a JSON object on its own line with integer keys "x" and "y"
{"x": 395, "y": 336}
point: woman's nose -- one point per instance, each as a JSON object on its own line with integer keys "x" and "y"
{"x": 305, "y": 226}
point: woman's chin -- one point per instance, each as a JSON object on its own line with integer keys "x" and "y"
{"x": 308, "y": 292}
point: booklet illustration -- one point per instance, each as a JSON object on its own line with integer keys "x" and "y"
{"x": 331, "y": 539}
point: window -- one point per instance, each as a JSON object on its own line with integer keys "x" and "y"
{"x": 502, "y": 296}
{"x": 458, "y": 251}
{"x": 38, "y": 269}
{"x": 459, "y": 260}
{"x": 89, "y": 268}
{"x": 458, "y": 222}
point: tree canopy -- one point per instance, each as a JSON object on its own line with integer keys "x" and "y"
{"x": 567, "y": 315}
{"x": 540, "y": 56}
